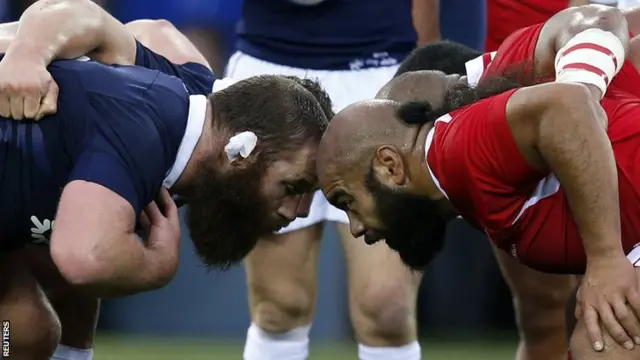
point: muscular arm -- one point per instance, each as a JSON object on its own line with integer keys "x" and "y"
{"x": 74, "y": 28}
{"x": 426, "y": 20}
{"x": 561, "y": 127}
{"x": 563, "y": 26}
{"x": 94, "y": 245}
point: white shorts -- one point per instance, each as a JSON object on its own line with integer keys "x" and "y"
{"x": 344, "y": 87}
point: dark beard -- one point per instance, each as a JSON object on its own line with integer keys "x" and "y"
{"x": 227, "y": 214}
{"x": 412, "y": 225}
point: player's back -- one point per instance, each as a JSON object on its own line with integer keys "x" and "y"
{"x": 331, "y": 35}
{"x": 101, "y": 110}
{"x": 516, "y": 56}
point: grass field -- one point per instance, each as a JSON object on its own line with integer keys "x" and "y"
{"x": 136, "y": 348}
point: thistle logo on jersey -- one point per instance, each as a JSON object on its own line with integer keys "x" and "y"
{"x": 41, "y": 231}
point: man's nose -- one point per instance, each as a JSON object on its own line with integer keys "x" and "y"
{"x": 304, "y": 205}
{"x": 289, "y": 207}
{"x": 356, "y": 227}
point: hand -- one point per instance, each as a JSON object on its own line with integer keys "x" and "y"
{"x": 161, "y": 222}
{"x": 610, "y": 293}
{"x": 27, "y": 89}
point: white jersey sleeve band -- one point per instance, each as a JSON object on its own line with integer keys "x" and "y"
{"x": 634, "y": 256}
{"x": 593, "y": 57}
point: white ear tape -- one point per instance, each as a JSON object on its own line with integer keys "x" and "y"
{"x": 241, "y": 144}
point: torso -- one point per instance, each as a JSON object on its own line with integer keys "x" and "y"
{"x": 524, "y": 212}
{"x": 102, "y": 111}
{"x": 329, "y": 34}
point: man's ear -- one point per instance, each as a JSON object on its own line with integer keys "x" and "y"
{"x": 389, "y": 165}
{"x": 242, "y": 163}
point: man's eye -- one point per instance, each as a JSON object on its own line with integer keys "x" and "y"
{"x": 290, "y": 189}
{"x": 344, "y": 205}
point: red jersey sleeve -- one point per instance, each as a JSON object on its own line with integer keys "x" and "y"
{"x": 514, "y": 58}
{"x": 479, "y": 167}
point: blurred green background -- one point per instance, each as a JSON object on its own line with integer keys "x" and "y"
{"x": 110, "y": 347}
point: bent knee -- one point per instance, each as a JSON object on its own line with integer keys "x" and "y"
{"x": 540, "y": 311}
{"x": 385, "y": 315}
{"x": 581, "y": 348}
{"x": 283, "y": 310}
{"x": 32, "y": 324}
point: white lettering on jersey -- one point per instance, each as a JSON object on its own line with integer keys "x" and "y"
{"x": 306, "y": 2}
{"x": 477, "y": 67}
{"x": 41, "y": 231}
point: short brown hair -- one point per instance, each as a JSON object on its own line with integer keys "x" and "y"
{"x": 283, "y": 113}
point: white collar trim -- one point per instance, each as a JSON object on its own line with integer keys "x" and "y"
{"x": 427, "y": 146}
{"x": 193, "y": 131}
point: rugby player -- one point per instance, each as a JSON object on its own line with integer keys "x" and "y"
{"x": 598, "y": 91}
{"x": 111, "y": 147}
{"x": 538, "y": 297}
{"x": 353, "y": 56}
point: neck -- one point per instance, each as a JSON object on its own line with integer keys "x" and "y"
{"x": 420, "y": 175}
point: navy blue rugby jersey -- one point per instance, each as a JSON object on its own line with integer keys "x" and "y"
{"x": 197, "y": 78}
{"x": 128, "y": 128}
{"x": 331, "y": 35}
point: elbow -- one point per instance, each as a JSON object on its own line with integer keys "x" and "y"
{"x": 566, "y": 96}
{"x": 570, "y": 104}
{"x": 601, "y": 17}
{"x": 76, "y": 266}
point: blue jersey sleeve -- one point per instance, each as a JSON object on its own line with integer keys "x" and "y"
{"x": 196, "y": 77}
{"x": 137, "y": 119}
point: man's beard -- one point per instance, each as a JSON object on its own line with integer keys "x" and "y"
{"x": 227, "y": 214}
{"x": 412, "y": 225}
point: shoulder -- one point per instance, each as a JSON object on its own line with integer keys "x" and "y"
{"x": 197, "y": 77}
{"x": 534, "y": 102}
{"x": 518, "y": 49}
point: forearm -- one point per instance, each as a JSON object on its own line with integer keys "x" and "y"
{"x": 51, "y": 29}
{"x": 573, "y": 142}
{"x": 426, "y": 20}
{"x": 125, "y": 270}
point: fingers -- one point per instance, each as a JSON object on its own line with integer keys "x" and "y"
{"x": 634, "y": 302}
{"x": 169, "y": 208}
{"x": 629, "y": 322}
{"x": 5, "y": 107}
{"x": 17, "y": 110}
{"x": 143, "y": 221}
{"x": 613, "y": 327}
{"x": 31, "y": 106}
{"x": 593, "y": 328}
{"x": 49, "y": 104}
{"x": 153, "y": 212}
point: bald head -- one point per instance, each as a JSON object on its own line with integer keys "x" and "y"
{"x": 356, "y": 132}
{"x": 427, "y": 85}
